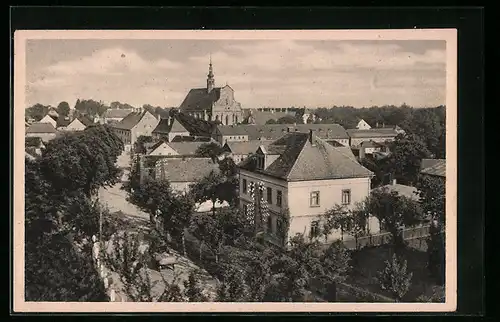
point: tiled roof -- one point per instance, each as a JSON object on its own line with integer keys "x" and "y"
{"x": 402, "y": 190}
{"x": 301, "y": 160}
{"x": 85, "y": 120}
{"x": 200, "y": 99}
{"x": 427, "y": 163}
{"x": 179, "y": 138}
{"x": 117, "y": 112}
{"x": 177, "y": 127}
{"x": 185, "y": 148}
{"x": 195, "y": 127}
{"x": 129, "y": 121}
{"x": 41, "y": 128}
{"x": 373, "y": 132}
{"x": 437, "y": 169}
{"x": 246, "y": 147}
{"x": 275, "y": 131}
{"x": 186, "y": 169}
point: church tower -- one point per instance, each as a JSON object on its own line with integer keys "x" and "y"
{"x": 210, "y": 78}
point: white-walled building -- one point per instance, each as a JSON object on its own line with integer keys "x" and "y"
{"x": 306, "y": 175}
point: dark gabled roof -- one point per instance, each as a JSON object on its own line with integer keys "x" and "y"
{"x": 41, "y": 128}
{"x": 186, "y": 169}
{"x": 373, "y": 132}
{"x": 156, "y": 145}
{"x": 437, "y": 169}
{"x": 85, "y": 120}
{"x": 275, "y": 131}
{"x": 117, "y": 112}
{"x": 246, "y": 147}
{"x": 179, "y": 138}
{"x": 183, "y": 122}
{"x": 200, "y": 99}
{"x": 130, "y": 121}
{"x": 300, "y": 160}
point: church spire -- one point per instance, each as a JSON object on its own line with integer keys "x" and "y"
{"x": 210, "y": 78}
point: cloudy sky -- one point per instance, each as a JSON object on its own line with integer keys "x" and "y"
{"x": 262, "y": 72}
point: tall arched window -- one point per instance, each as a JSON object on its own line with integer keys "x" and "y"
{"x": 216, "y": 117}
{"x": 227, "y": 119}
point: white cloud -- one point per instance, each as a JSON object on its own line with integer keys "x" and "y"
{"x": 270, "y": 73}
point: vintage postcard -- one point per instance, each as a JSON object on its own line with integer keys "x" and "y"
{"x": 235, "y": 171}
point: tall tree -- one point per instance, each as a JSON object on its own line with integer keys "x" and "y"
{"x": 394, "y": 212}
{"x": 210, "y": 188}
{"x": 209, "y": 150}
{"x": 407, "y": 153}
{"x": 395, "y": 278}
{"x": 192, "y": 289}
{"x": 63, "y": 109}
{"x": 37, "y": 111}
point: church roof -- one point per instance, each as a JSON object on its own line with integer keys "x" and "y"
{"x": 199, "y": 99}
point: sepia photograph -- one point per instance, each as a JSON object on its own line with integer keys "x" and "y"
{"x": 235, "y": 170}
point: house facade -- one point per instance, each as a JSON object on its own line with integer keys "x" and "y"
{"x": 213, "y": 103}
{"x": 49, "y": 119}
{"x": 306, "y": 175}
{"x": 362, "y": 125}
{"x": 134, "y": 125}
{"x": 379, "y": 135}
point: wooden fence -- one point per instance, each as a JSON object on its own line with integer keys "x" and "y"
{"x": 415, "y": 236}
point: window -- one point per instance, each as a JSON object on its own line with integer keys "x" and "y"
{"x": 244, "y": 186}
{"x": 279, "y": 198}
{"x": 314, "y": 202}
{"x": 260, "y": 162}
{"x": 245, "y": 209}
{"x": 269, "y": 195}
{"x": 346, "y": 197}
{"x": 314, "y": 229}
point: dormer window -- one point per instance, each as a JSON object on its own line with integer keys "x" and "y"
{"x": 260, "y": 162}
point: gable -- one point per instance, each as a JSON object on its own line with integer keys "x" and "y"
{"x": 76, "y": 125}
{"x": 163, "y": 149}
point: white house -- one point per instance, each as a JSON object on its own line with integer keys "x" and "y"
{"x": 134, "y": 125}
{"x": 45, "y": 131}
{"x": 163, "y": 148}
{"x": 306, "y": 175}
{"x": 49, "y": 119}
{"x": 362, "y": 125}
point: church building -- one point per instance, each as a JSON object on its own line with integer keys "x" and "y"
{"x": 213, "y": 103}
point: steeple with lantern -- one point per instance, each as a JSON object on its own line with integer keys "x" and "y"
{"x": 210, "y": 78}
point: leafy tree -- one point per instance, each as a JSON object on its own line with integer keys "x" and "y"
{"x": 335, "y": 261}
{"x": 139, "y": 145}
{"x": 37, "y": 111}
{"x": 210, "y": 187}
{"x": 335, "y": 218}
{"x": 287, "y": 119}
{"x": 393, "y": 212}
{"x": 395, "y": 278}
{"x": 192, "y": 289}
{"x": 232, "y": 287}
{"x": 209, "y": 150}
{"x": 63, "y": 109}
{"x": 90, "y": 108}
{"x": 56, "y": 271}
{"x": 407, "y": 153}
{"x": 83, "y": 160}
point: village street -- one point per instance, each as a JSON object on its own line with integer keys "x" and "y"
{"x": 114, "y": 198}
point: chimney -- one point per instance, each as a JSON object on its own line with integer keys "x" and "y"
{"x": 393, "y": 181}
{"x": 376, "y": 124}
